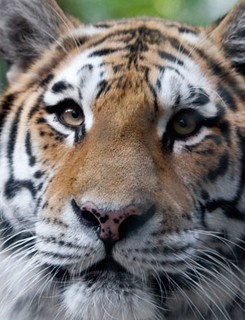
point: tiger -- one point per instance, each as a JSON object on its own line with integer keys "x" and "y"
{"x": 122, "y": 167}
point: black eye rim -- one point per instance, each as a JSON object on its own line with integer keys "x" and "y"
{"x": 61, "y": 107}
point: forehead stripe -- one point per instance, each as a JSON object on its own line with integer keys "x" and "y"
{"x": 103, "y": 52}
{"x": 226, "y": 97}
{"x": 170, "y": 57}
{"x": 60, "y": 86}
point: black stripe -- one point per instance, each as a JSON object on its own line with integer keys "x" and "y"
{"x": 44, "y": 82}
{"x": 198, "y": 96}
{"x": 187, "y": 30}
{"x": 170, "y": 57}
{"x": 226, "y": 97}
{"x": 61, "y": 86}
{"x": 156, "y": 107}
{"x": 32, "y": 159}
{"x": 40, "y": 120}
{"x": 5, "y": 107}
{"x": 203, "y": 152}
{"x": 130, "y": 34}
{"x": 33, "y": 111}
{"x": 224, "y": 127}
{"x": 228, "y": 208}
{"x": 56, "y": 255}
{"x": 179, "y": 47}
{"x": 80, "y": 133}
{"x": 221, "y": 167}
{"x": 103, "y": 87}
{"x": 102, "y": 25}
{"x": 12, "y": 137}
{"x": 223, "y": 73}
{"x": 118, "y": 67}
{"x": 162, "y": 70}
{"x": 12, "y": 187}
{"x": 55, "y": 221}
{"x": 241, "y": 144}
{"x": 183, "y": 29}
{"x": 59, "y": 242}
{"x": 38, "y": 174}
{"x": 103, "y": 52}
{"x": 8, "y": 234}
{"x": 72, "y": 42}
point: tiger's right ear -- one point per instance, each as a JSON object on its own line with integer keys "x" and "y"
{"x": 27, "y": 28}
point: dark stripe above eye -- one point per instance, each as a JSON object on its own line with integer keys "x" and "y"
{"x": 61, "y": 86}
{"x": 170, "y": 57}
{"x": 198, "y": 96}
{"x": 103, "y": 52}
{"x": 59, "y": 107}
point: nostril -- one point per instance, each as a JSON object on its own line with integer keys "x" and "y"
{"x": 90, "y": 218}
{"x": 134, "y": 222}
{"x": 86, "y": 217}
{"x": 128, "y": 226}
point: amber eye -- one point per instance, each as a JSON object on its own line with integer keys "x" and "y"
{"x": 72, "y": 116}
{"x": 186, "y": 123}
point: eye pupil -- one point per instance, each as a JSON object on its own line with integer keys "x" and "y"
{"x": 185, "y": 123}
{"x": 72, "y": 117}
{"x": 74, "y": 114}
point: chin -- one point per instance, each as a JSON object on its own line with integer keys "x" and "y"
{"x": 109, "y": 295}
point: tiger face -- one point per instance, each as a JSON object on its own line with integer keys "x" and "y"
{"x": 122, "y": 167}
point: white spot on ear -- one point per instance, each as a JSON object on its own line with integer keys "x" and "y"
{"x": 13, "y": 73}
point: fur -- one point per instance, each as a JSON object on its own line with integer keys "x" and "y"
{"x": 122, "y": 166}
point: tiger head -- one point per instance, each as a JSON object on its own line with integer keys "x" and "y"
{"x": 122, "y": 166}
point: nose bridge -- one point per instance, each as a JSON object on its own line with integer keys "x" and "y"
{"x": 120, "y": 144}
{"x": 117, "y": 165}
{"x": 121, "y": 158}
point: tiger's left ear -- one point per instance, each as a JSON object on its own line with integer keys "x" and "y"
{"x": 229, "y": 33}
{"x": 27, "y": 29}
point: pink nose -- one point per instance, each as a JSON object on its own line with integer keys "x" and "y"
{"x": 110, "y": 221}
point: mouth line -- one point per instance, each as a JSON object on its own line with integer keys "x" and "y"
{"x": 105, "y": 266}
{"x": 101, "y": 269}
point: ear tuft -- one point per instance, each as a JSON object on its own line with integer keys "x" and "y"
{"x": 27, "y": 28}
{"x": 230, "y": 33}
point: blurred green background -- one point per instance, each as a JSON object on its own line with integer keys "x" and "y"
{"x": 199, "y": 12}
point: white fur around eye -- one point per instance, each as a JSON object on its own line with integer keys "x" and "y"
{"x": 179, "y": 145}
